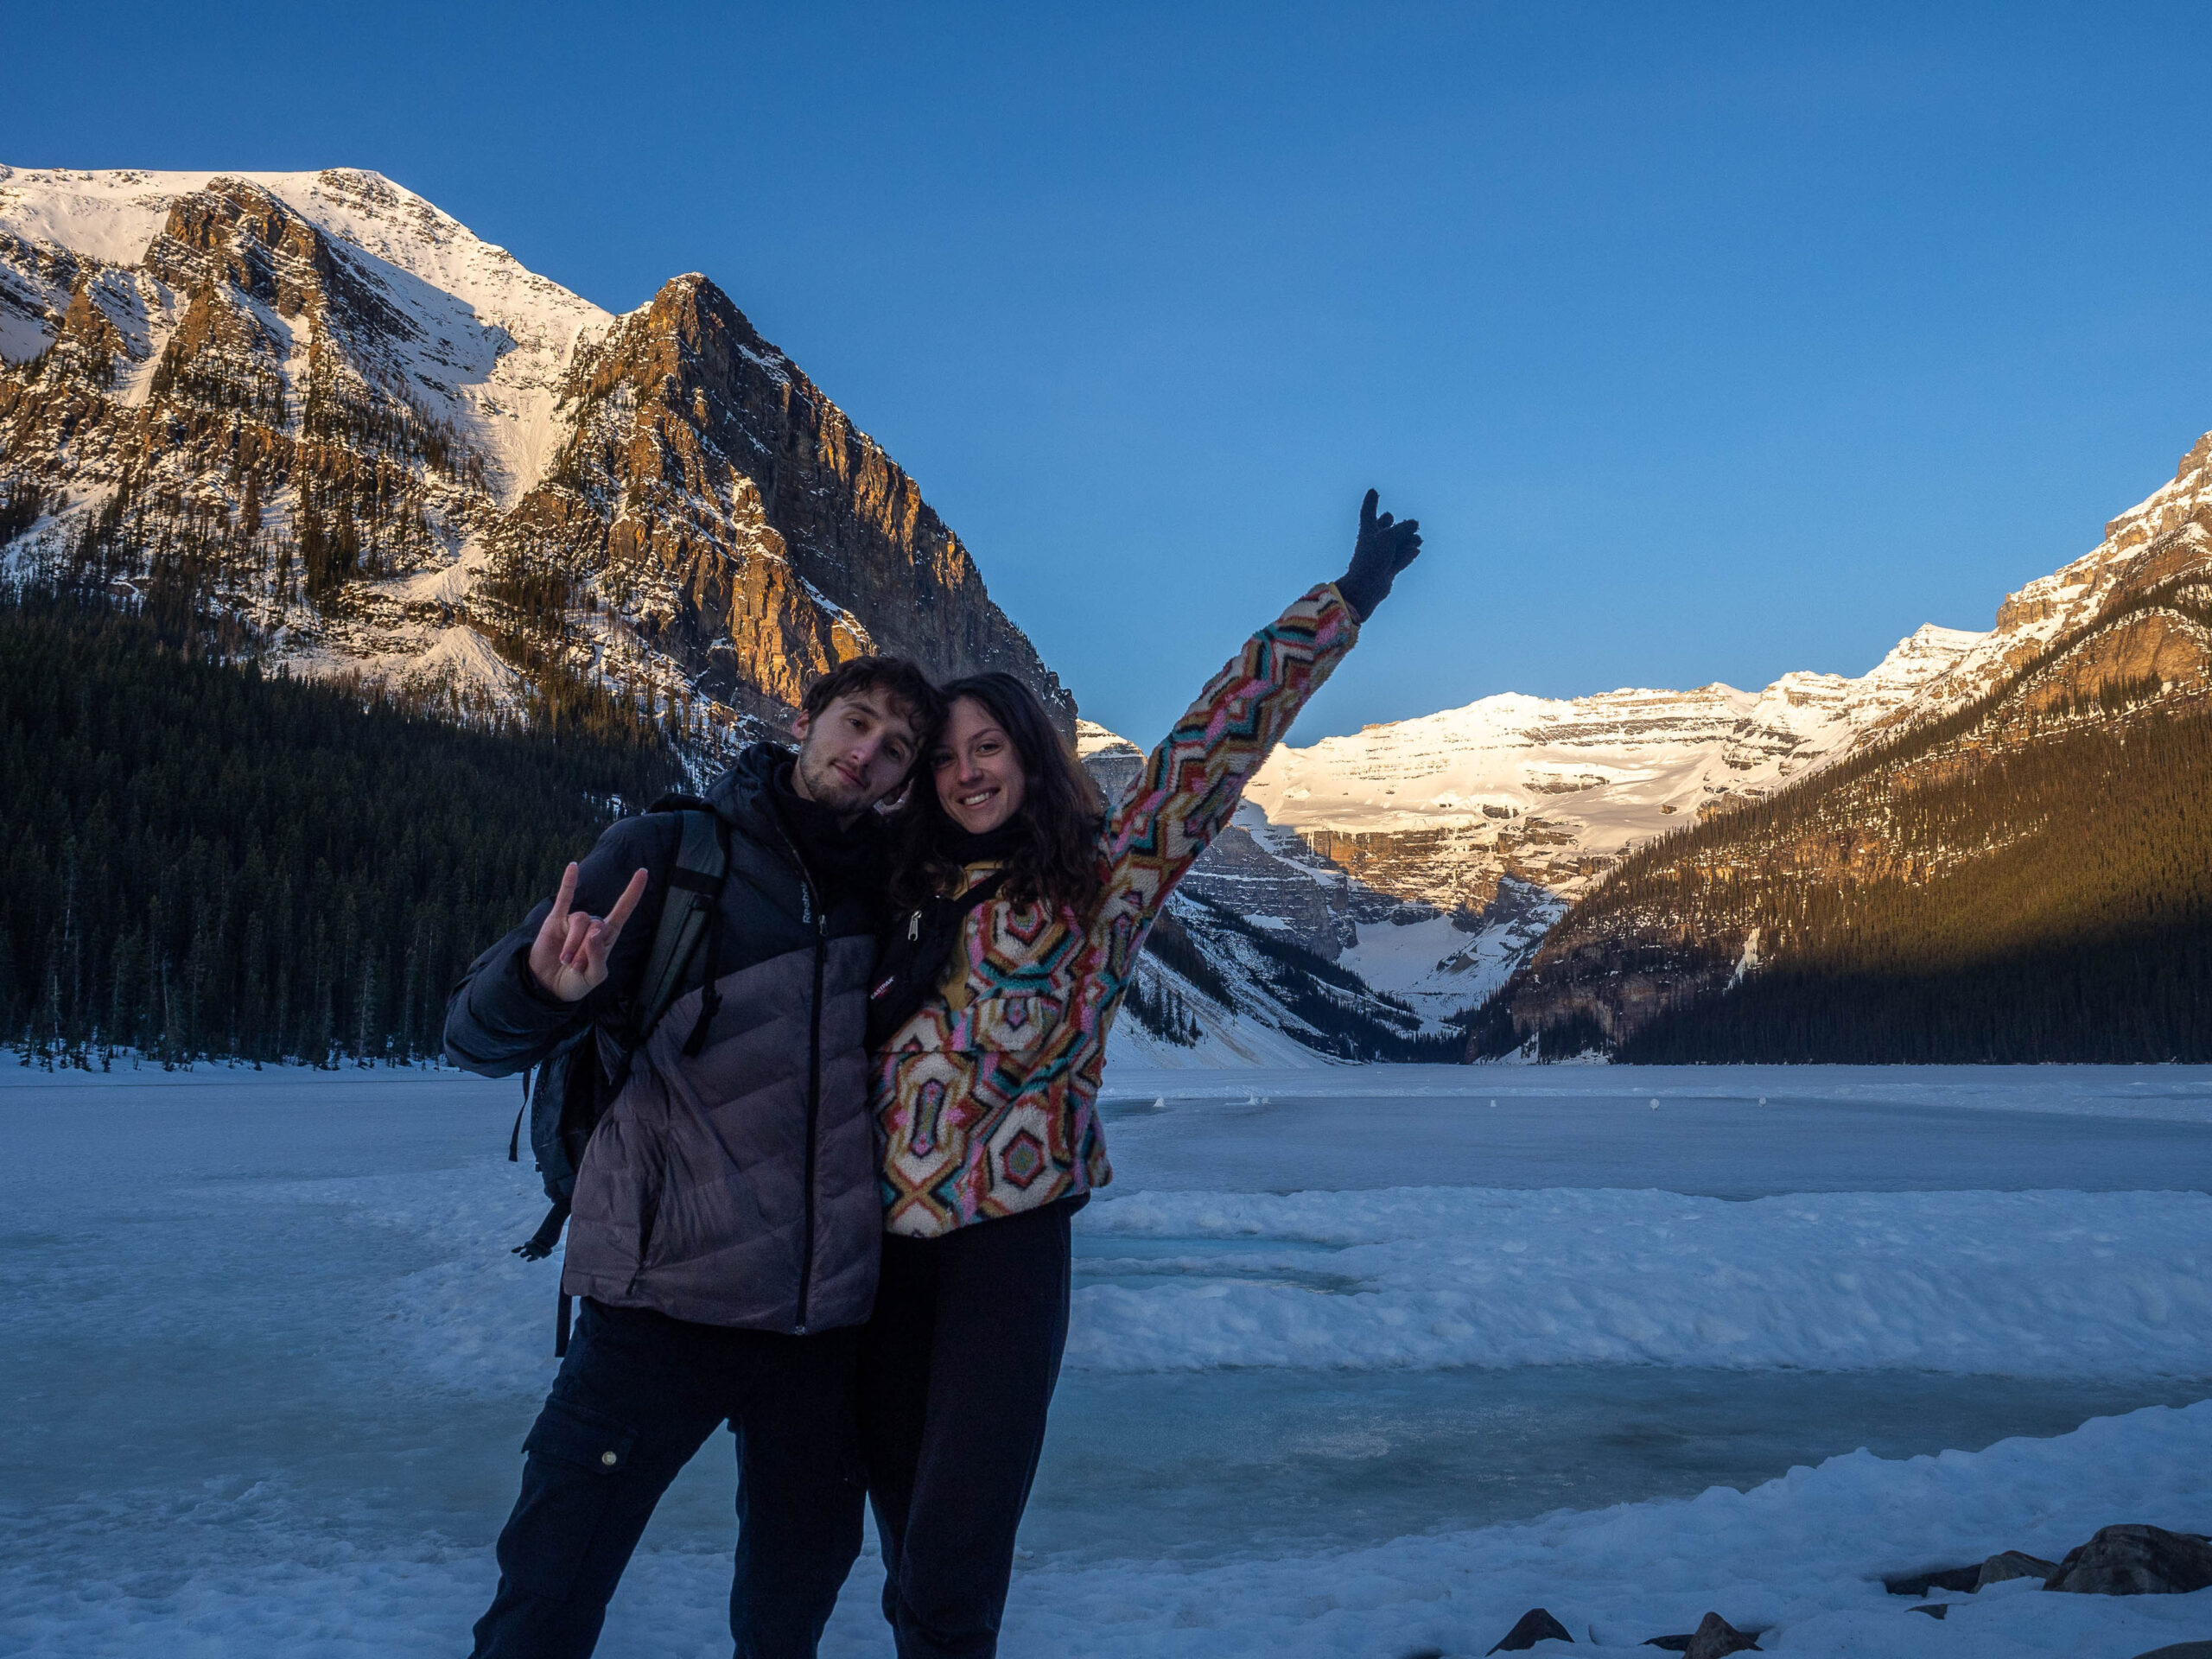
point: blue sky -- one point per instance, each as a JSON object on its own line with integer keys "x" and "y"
{"x": 1706, "y": 342}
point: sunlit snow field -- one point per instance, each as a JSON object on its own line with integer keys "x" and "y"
{"x": 1363, "y": 1363}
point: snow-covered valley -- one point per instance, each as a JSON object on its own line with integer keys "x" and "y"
{"x": 1362, "y": 1363}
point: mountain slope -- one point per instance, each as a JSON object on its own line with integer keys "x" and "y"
{"x": 320, "y": 405}
{"x": 1253, "y": 963}
{"x": 2068, "y": 600}
{"x": 1550, "y": 792}
{"x": 2027, "y": 875}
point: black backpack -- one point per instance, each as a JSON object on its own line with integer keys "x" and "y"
{"x": 912, "y": 959}
{"x": 570, "y": 1090}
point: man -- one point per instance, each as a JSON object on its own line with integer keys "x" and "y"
{"x": 726, "y": 1221}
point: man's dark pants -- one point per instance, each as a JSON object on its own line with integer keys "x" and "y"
{"x": 636, "y": 1396}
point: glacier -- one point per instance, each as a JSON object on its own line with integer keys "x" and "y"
{"x": 1439, "y": 806}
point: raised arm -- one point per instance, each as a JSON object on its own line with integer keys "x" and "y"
{"x": 1192, "y": 781}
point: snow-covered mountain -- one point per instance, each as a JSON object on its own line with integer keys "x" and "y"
{"x": 1272, "y": 955}
{"x": 452, "y": 322}
{"x": 1443, "y": 807}
{"x": 326, "y": 407}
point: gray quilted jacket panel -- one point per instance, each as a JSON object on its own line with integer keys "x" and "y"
{"x": 694, "y": 1199}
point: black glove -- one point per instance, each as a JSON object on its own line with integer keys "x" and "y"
{"x": 1382, "y": 550}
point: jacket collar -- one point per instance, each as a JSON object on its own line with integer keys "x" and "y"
{"x": 745, "y": 794}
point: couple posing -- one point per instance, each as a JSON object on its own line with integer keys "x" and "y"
{"x": 846, "y": 1237}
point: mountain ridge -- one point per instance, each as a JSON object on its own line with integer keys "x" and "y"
{"x": 1439, "y": 808}
{"x": 2023, "y": 874}
{"x": 385, "y": 446}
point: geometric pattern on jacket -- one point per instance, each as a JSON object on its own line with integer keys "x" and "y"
{"x": 986, "y": 1100}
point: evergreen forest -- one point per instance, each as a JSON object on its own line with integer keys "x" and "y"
{"x": 204, "y": 859}
{"x": 2050, "y": 902}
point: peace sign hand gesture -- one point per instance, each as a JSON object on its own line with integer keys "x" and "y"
{"x": 569, "y": 957}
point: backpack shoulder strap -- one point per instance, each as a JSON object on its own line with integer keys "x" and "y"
{"x": 984, "y": 891}
{"x": 695, "y": 889}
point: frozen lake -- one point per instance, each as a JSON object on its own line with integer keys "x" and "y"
{"x": 1361, "y": 1363}
{"x": 1730, "y": 1132}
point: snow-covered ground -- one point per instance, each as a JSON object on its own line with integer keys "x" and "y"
{"x": 1362, "y": 1363}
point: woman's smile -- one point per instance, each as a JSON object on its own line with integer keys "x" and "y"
{"x": 978, "y": 771}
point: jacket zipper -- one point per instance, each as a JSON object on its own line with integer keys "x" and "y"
{"x": 811, "y": 903}
{"x": 813, "y": 1110}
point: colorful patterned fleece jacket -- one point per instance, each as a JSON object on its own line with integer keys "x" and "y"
{"x": 986, "y": 1100}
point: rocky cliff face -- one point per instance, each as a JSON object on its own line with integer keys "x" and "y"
{"x": 318, "y": 403}
{"x": 739, "y": 521}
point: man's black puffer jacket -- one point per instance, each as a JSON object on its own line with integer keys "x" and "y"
{"x": 737, "y": 1187}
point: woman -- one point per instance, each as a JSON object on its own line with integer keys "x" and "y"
{"x": 985, "y": 1093}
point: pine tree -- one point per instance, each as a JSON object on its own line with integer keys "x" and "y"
{"x": 202, "y": 859}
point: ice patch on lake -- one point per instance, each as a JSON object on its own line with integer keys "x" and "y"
{"x": 1801, "y": 1556}
{"x": 2021, "y": 1284}
{"x": 2017, "y": 1283}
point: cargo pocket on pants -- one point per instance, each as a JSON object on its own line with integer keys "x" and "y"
{"x": 555, "y": 1543}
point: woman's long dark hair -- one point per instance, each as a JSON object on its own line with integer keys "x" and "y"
{"x": 1055, "y": 858}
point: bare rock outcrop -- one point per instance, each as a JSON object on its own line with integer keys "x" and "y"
{"x": 2136, "y": 1560}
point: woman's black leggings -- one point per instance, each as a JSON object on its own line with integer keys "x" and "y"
{"x": 957, "y": 1369}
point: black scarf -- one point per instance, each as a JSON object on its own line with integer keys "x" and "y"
{"x": 957, "y": 846}
{"x": 840, "y": 857}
